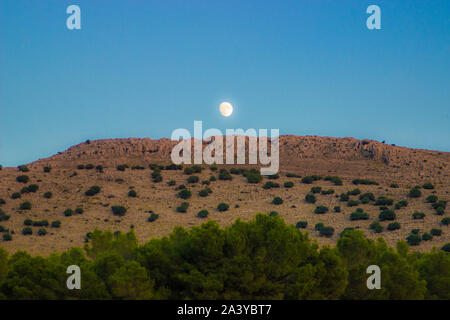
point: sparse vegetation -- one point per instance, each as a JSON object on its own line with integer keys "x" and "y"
{"x": 301, "y": 225}
{"x": 418, "y": 215}
{"x": 185, "y": 194}
{"x": 183, "y": 207}
{"x": 288, "y": 184}
{"x": 386, "y": 215}
{"x": 23, "y": 179}
{"x": 321, "y": 209}
{"x": 92, "y": 191}
{"x": 277, "y": 200}
{"x": 25, "y": 205}
{"x": 376, "y": 227}
{"x": 119, "y": 210}
{"x": 393, "y": 226}
{"x": 414, "y": 193}
{"x": 202, "y": 213}
{"x": 222, "y": 207}
{"x": 310, "y": 198}
{"x": 153, "y": 216}
{"x": 359, "y": 214}
{"x": 364, "y": 182}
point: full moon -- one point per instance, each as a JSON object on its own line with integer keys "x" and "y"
{"x": 226, "y": 109}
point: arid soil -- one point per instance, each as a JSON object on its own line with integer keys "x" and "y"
{"x": 347, "y": 158}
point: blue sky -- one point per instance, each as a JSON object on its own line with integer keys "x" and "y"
{"x": 144, "y": 68}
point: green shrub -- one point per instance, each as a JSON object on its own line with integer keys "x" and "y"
{"x": 156, "y": 176}
{"x": 132, "y": 193}
{"x": 415, "y": 231}
{"x": 401, "y": 204}
{"x": 99, "y": 168}
{"x": 202, "y": 213}
{"x": 2, "y": 201}
{"x": 383, "y": 201}
{"x": 336, "y": 180}
{"x": 273, "y": 213}
{"x": 23, "y": 168}
{"x": 27, "y": 231}
{"x": 277, "y": 201}
{"x": 23, "y": 179}
{"x": 79, "y": 210}
{"x": 364, "y": 182}
{"x": 119, "y": 210}
{"x": 436, "y": 232}
{"x": 321, "y": 209}
{"x": 439, "y": 204}
{"x": 301, "y": 225}
{"x": 393, "y": 226}
{"x": 47, "y": 169}
{"x": 394, "y": 185}
{"x": 183, "y": 207}
{"x": 15, "y": 195}
{"x": 153, "y": 217}
{"x": 440, "y": 211}
{"x": 92, "y": 191}
{"x": 254, "y": 177}
{"x": 212, "y": 178}
{"x": 185, "y": 194}
{"x": 121, "y": 167}
{"x": 193, "y": 179}
{"x": 337, "y": 209}
{"x": 81, "y": 167}
{"x": 344, "y": 197}
{"x": 273, "y": 176}
{"x": 222, "y": 207}
{"x": 89, "y": 166}
{"x": 224, "y": 175}
{"x": 7, "y": 237}
{"x": 171, "y": 183}
{"x": 292, "y": 175}
{"x": 28, "y": 222}
{"x": 325, "y": 192}
{"x": 4, "y": 216}
{"x": 359, "y": 214}
{"x": 316, "y": 190}
{"x": 42, "y": 232}
{"x": 56, "y": 224}
{"x": 270, "y": 184}
{"x": 42, "y": 223}
{"x": 310, "y": 198}
{"x": 386, "y": 215}
{"x": 428, "y": 186}
{"x": 354, "y": 192}
{"x": 352, "y": 203}
{"x": 427, "y": 237}
{"x": 367, "y": 197}
{"x": 376, "y": 227}
{"x": 307, "y": 180}
{"x": 318, "y": 226}
{"x": 288, "y": 184}
{"x": 68, "y": 212}
{"x": 48, "y": 195}
{"x": 445, "y": 247}
{"x": 174, "y": 167}
{"x": 418, "y": 215}
{"x": 204, "y": 192}
{"x": 188, "y": 170}
{"x": 445, "y": 221}
{"x": 25, "y": 206}
{"x": 413, "y": 239}
{"x": 326, "y": 232}
{"x": 2, "y": 229}
{"x": 414, "y": 193}
{"x": 431, "y": 199}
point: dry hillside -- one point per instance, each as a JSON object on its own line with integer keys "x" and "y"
{"x": 347, "y": 158}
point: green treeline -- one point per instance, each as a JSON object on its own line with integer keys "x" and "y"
{"x": 260, "y": 259}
